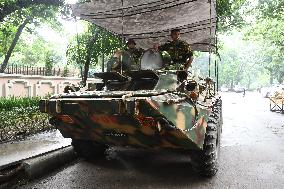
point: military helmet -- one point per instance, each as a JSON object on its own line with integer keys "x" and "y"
{"x": 130, "y": 40}
{"x": 175, "y": 30}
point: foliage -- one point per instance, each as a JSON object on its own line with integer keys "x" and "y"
{"x": 20, "y": 117}
{"x": 8, "y": 7}
{"x": 65, "y": 71}
{"x": 105, "y": 43}
{"x": 50, "y": 60}
{"x": 35, "y": 54}
{"x": 268, "y": 29}
{"x": 36, "y": 14}
{"x": 14, "y": 13}
{"x": 240, "y": 66}
{"x": 7, "y": 104}
{"x": 230, "y": 14}
{"x": 242, "y": 63}
{"x": 270, "y": 9}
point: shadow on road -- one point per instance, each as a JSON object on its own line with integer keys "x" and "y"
{"x": 163, "y": 167}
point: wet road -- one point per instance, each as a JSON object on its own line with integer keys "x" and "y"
{"x": 31, "y": 146}
{"x": 252, "y": 156}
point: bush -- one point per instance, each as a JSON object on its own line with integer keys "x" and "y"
{"x": 13, "y": 102}
{"x": 20, "y": 117}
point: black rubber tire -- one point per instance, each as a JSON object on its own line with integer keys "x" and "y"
{"x": 206, "y": 162}
{"x": 89, "y": 149}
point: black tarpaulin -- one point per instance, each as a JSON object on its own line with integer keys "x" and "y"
{"x": 150, "y": 21}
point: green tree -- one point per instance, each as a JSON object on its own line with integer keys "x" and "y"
{"x": 242, "y": 62}
{"x": 231, "y": 14}
{"x": 16, "y": 18}
{"x": 50, "y": 60}
{"x": 268, "y": 29}
{"x": 8, "y": 7}
{"x": 89, "y": 47}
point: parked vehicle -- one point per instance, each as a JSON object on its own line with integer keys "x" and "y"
{"x": 238, "y": 89}
{"x": 224, "y": 89}
{"x": 146, "y": 108}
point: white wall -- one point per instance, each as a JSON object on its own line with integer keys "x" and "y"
{"x": 33, "y": 85}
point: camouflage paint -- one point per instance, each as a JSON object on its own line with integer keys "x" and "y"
{"x": 101, "y": 120}
{"x": 166, "y": 117}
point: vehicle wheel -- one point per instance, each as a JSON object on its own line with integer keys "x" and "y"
{"x": 88, "y": 149}
{"x": 205, "y": 162}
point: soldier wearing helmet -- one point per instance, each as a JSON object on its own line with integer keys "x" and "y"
{"x": 180, "y": 51}
{"x": 133, "y": 51}
{"x": 127, "y": 59}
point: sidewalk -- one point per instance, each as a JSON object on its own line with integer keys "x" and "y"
{"x": 31, "y": 146}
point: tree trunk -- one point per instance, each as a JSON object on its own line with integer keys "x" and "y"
{"x": 232, "y": 85}
{"x": 249, "y": 82}
{"x": 271, "y": 76}
{"x": 88, "y": 58}
{"x": 86, "y": 67}
{"x": 103, "y": 62}
{"x": 280, "y": 77}
{"x": 15, "y": 40}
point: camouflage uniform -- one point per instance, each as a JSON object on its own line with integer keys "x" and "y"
{"x": 179, "y": 51}
{"x": 136, "y": 54}
{"x": 130, "y": 60}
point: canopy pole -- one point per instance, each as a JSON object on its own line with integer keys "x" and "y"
{"x": 122, "y": 34}
{"x": 216, "y": 48}
{"x": 210, "y": 50}
{"x": 103, "y": 54}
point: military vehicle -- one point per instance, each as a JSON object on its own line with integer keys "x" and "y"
{"x": 152, "y": 107}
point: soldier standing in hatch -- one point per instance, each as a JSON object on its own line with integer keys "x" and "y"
{"x": 134, "y": 52}
{"x": 130, "y": 58}
{"x": 180, "y": 51}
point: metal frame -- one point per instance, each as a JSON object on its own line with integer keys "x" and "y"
{"x": 276, "y": 104}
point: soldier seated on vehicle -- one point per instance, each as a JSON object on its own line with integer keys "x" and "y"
{"x": 180, "y": 51}
{"x": 114, "y": 62}
{"x": 129, "y": 57}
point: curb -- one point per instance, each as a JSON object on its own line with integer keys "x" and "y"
{"x": 38, "y": 166}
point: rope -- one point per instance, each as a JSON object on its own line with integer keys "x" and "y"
{"x": 183, "y": 27}
{"x": 137, "y": 13}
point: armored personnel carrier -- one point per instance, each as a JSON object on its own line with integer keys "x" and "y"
{"x": 152, "y": 107}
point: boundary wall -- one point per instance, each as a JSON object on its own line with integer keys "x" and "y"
{"x": 34, "y": 85}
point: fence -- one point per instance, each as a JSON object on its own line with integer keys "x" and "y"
{"x": 29, "y": 70}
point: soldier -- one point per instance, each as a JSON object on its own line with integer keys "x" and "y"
{"x": 134, "y": 52}
{"x": 179, "y": 51}
{"x": 130, "y": 58}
